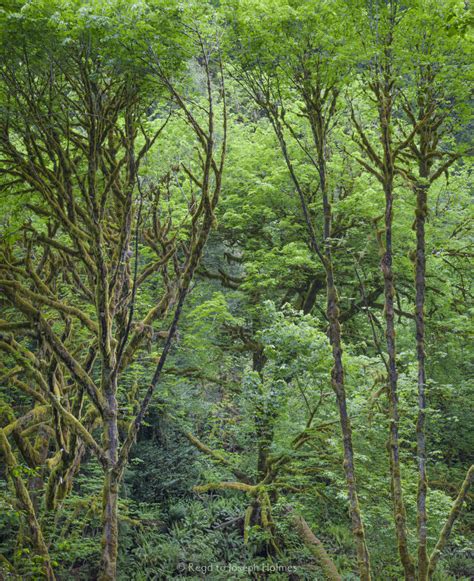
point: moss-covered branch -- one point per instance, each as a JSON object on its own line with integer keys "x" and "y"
{"x": 26, "y": 504}
{"x": 227, "y": 486}
{"x": 448, "y": 525}
{"x": 217, "y": 457}
{"x": 316, "y": 548}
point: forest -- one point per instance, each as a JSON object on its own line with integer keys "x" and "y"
{"x": 236, "y": 286}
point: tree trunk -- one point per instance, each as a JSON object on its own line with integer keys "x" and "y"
{"x": 110, "y": 527}
{"x": 420, "y": 268}
{"x": 337, "y": 379}
{"x": 337, "y": 373}
{"x": 111, "y": 485}
{"x": 389, "y": 294}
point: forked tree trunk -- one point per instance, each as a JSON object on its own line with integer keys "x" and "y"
{"x": 318, "y": 118}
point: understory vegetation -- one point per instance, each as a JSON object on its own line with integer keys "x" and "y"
{"x": 236, "y": 290}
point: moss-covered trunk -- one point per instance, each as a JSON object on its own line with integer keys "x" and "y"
{"x": 389, "y": 295}
{"x": 110, "y": 526}
{"x": 111, "y": 479}
{"x": 338, "y": 384}
{"x": 319, "y": 128}
{"x": 420, "y": 268}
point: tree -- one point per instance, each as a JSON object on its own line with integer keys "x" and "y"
{"x": 380, "y": 77}
{"x": 315, "y": 80}
{"x": 432, "y": 115}
{"x": 75, "y": 131}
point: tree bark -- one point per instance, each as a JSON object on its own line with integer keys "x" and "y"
{"x": 337, "y": 373}
{"x": 318, "y": 116}
{"x": 448, "y": 525}
{"x": 420, "y": 271}
{"x": 111, "y": 479}
{"x": 110, "y": 526}
{"x": 317, "y": 549}
{"x": 383, "y": 90}
{"x": 396, "y": 482}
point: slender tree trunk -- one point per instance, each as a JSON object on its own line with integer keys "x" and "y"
{"x": 389, "y": 294}
{"x": 338, "y": 384}
{"x": 337, "y": 379}
{"x": 337, "y": 373}
{"x": 382, "y": 167}
{"x": 110, "y": 526}
{"x": 420, "y": 268}
{"x": 111, "y": 483}
{"x": 430, "y": 121}
{"x": 383, "y": 91}
{"x": 319, "y": 113}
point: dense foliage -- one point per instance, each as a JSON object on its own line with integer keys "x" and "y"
{"x": 236, "y": 277}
